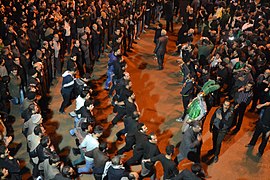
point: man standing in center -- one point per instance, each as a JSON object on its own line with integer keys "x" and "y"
{"x": 160, "y": 49}
{"x": 220, "y": 123}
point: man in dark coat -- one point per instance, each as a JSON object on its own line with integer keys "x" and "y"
{"x": 190, "y": 144}
{"x": 219, "y": 126}
{"x": 262, "y": 127}
{"x": 168, "y": 12}
{"x": 160, "y": 49}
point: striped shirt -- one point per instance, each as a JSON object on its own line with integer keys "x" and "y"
{"x": 244, "y": 97}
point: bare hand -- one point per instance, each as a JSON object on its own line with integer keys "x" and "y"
{"x": 219, "y": 116}
{"x": 199, "y": 137}
{"x": 259, "y": 106}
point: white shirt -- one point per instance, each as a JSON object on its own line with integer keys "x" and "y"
{"x": 79, "y": 102}
{"x": 90, "y": 143}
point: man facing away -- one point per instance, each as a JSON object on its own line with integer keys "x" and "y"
{"x": 160, "y": 49}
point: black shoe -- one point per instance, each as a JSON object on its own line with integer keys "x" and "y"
{"x": 125, "y": 54}
{"x": 215, "y": 159}
{"x": 134, "y": 43}
{"x": 210, "y": 152}
{"x": 249, "y": 146}
{"x": 129, "y": 50}
{"x": 62, "y": 112}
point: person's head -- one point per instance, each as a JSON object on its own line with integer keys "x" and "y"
{"x": 142, "y": 127}
{"x": 267, "y": 73}
{"x": 54, "y": 160}
{"x": 77, "y": 43}
{"x": 126, "y": 76}
{"x": 103, "y": 146}
{"x": 45, "y": 141}
{"x": 94, "y": 26}
{"x": 249, "y": 86}
{"x": 121, "y": 20}
{"x": 56, "y": 37}
{"x": 152, "y": 138}
{"x": 89, "y": 104}
{"x": 127, "y": 84}
{"x": 136, "y": 115}
{"x": 36, "y": 118}
{"x": 119, "y": 39}
{"x": 130, "y": 95}
{"x": 197, "y": 169}
{"x": 117, "y": 52}
{"x": 84, "y": 126}
{"x": 196, "y": 126}
{"x": 98, "y": 131}
{"x": 39, "y": 130}
{"x": 117, "y": 31}
{"x": 226, "y": 105}
{"x": 85, "y": 94}
{"x": 116, "y": 160}
{"x": 163, "y": 32}
{"x": 170, "y": 150}
{"x": 14, "y": 71}
{"x": 67, "y": 171}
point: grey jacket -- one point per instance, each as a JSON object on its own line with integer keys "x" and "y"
{"x": 161, "y": 45}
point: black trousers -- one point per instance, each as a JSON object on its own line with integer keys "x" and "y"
{"x": 136, "y": 158}
{"x": 66, "y": 100}
{"x": 130, "y": 141}
{"x": 160, "y": 58}
{"x": 260, "y": 129}
{"x": 239, "y": 115}
{"x": 217, "y": 138}
{"x": 168, "y": 24}
{"x": 186, "y": 100}
{"x": 121, "y": 112}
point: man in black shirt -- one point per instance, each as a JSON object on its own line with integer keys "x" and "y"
{"x": 219, "y": 126}
{"x": 131, "y": 123}
{"x": 262, "y": 127}
{"x": 149, "y": 150}
{"x": 169, "y": 167}
{"x": 126, "y": 107}
{"x": 140, "y": 138}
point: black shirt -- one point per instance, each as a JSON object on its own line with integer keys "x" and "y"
{"x": 169, "y": 167}
{"x": 130, "y": 107}
{"x": 130, "y": 125}
{"x": 150, "y": 150}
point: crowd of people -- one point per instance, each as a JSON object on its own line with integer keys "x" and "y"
{"x": 38, "y": 37}
{"x": 233, "y": 50}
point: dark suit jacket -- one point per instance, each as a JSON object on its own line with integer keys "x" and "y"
{"x": 161, "y": 45}
{"x": 189, "y": 142}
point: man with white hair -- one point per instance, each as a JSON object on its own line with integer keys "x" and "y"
{"x": 160, "y": 49}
